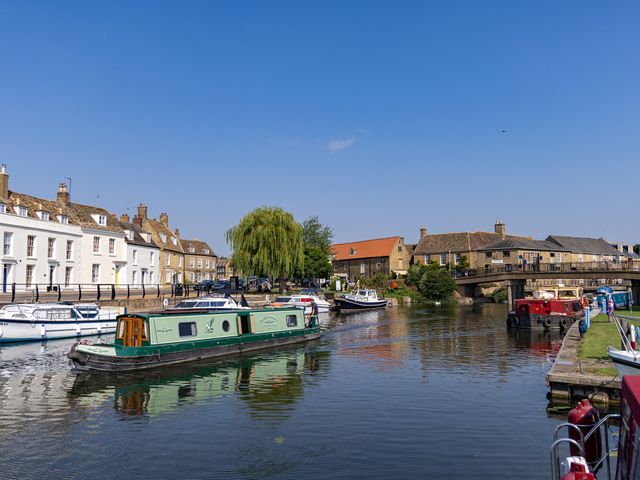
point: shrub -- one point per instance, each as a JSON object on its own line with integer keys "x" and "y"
{"x": 436, "y": 284}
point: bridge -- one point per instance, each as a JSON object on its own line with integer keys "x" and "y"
{"x": 589, "y": 276}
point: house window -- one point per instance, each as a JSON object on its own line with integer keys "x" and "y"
{"x": 167, "y": 277}
{"x": 102, "y": 220}
{"x": 192, "y": 263}
{"x": 187, "y": 329}
{"x": 506, "y": 253}
{"x": 362, "y": 268}
{"x": 199, "y": 276}
{"x": 443, "y": 259}
{"x": 207, "y": 263}
{"x": 192, "y": 276}
{"x": 3, "y": 208}
{"x": 152, "y": 259}
{"x": 580, "y": 257}
{"x": 399, "y": 248}
{"x": 457, "y": 258}
{"x": 63, "y": 219}
{"x": 67, "y": 276}
{"x": 69, "y": 249}
{"x": 150, "y": 277}
{"x": 206, "y": 251}
{"x": 31, "y": 243}
{"x": 352, "y": 252}
{"x": 44, "y": 216}
{"x": 51, "y": 247}
{"x": 21, "y": 211}
{"x": 8, "y": 242}
{"x": 207, "y": 276}
{"x": 427, "y": 259}
{"x": 174, "y": 240}
{"x": 112, "y": 246}
{"x": 29, "y": 277}
{"x": 135, "y": 257}
{"x": 292, "y": 320}
{"x": 95, "y": 273}
{"x": 168, "y": 259}
{"x": 134, "y": 277}
{"x": 199, "y": 263}
{"x": 192, "y": 250}
{"x": 96, "y": 244}
{"x": 163, "y": 237}
{"x": 488, "y": 254}
{"x": 179, "y": 261}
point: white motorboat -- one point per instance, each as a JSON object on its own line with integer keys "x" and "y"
{"x": 47, "y": 321}
{"x": 212, "y": 303}
{"x": 361, "y": 299}
{"x": 304, "y": 299}
{"x": 627, "y": 359}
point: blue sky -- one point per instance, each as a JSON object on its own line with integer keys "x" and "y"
{"x": 375, "y": 116}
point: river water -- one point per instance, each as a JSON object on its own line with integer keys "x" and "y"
{"x": 399, "y": 393}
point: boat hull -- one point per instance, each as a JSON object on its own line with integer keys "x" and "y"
{"x": 84, "y": 361}
{"x": 28, "y": 331}
{"x": 624, "y": 362}
{"x": 349, "y": 304}
{"x": 539, "y": 322}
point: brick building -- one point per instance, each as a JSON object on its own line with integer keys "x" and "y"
{"x": 368, "y": 257}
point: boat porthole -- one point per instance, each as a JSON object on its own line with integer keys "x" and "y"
{"x": 225, "y": 325}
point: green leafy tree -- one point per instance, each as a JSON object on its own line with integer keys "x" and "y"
{"x": 415, "y": 272}
{"x": 636, "y": 248}
{"x": 437, "y": 284}
{"x": 316, "y": 263}
{"x": 316, "y": 235}
{"x": 267, "y": 242}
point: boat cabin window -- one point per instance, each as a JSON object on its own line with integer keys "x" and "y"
{"x": 282, "y": 299}
{"x": 292, "y": 320}
{"x": 372, "y": 294}
{"x": 54, "y": 314}
{"x": 363, "y": 293}
{"x": 186, "y": 305}
{"x": 188, "y": 329}
{"x": 226, "y": 325}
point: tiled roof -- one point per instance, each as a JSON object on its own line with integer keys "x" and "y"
{"x": 199, "y": 247}
{"x": 525, "y": 244}
{"x": 154, "y": 226}
{"x": 380, "y": 247}
{"x": 456, "y": 242}
{"x": 595, "y": 246}
{"x": 76, "y": 213}
{"x": 138, "y": 235}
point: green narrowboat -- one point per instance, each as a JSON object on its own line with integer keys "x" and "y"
{"x": 157, "y": 339}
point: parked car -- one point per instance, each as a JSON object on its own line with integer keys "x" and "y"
{"x": 205, "y": 286}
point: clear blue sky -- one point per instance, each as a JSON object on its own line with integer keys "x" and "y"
{"x": 375, "y": 116}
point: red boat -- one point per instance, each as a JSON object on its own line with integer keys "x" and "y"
{"x": 552, "y": 309}
{"x": 589, "y": 439}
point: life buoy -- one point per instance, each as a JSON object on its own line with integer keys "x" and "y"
{"x": 564, "y": 322}
{"x": 547, "y": 322}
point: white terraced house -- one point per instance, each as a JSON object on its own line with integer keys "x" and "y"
{"x": 143, "y": 255}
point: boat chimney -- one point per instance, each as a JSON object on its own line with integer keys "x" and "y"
{"x": 501, "y": 229}
{"x": 423, "y": 231}
{"x": 4, "y": 182}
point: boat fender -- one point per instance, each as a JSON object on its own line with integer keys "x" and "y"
{"x": 99, "y": 327}
{"x": 564, "y": 322}
{"x": 1, "y": 332}
{"x": 77, "y": 329}
{"x": 633, "y": 338}
{"x": 547, "y": 322}
{"x": 43, "y": 331}
{"x": 165, "y": 302}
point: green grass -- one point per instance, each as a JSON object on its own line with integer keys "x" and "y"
{"x": 600, "y": 335}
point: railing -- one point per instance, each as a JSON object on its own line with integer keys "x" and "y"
{"x": 35, "y": 292}
{"x": 605, "y": 458}
{"x": 604, "y": 267}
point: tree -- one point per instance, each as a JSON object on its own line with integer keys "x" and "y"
{"x": 317, "y": 235}
{"x": 636, "y": 248}
{"x": 436, "y": 284}
{"x": 267, "y": 242}
{"x": 316, "y": 263}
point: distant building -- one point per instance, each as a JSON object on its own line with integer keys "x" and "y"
{"x": 513, "y": 253}
{"x": 223, "y": 268}
{"x": 200, "y": 261}
{"x": 171, "y": 251}
{"x": 592, "y": 250}
{"x": 450, "y": 248}
{"x": 368, "y": 257}
{"x": 143, "y": 255}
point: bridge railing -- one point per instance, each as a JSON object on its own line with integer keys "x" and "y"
{"x": 605, "y": 267}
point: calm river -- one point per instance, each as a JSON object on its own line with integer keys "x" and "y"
{"x": 400, "y": 393}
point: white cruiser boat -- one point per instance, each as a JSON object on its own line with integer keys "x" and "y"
{"x": 47, "y": 321}
{"x": 304, "y": 299}
{"x": 627, "y": 359}
{"x": 362, "y": 299}
{"x": 212, "y": 303}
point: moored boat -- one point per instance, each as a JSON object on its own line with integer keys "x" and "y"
{"x": 626, "y": 360}
{"x": 304, "y": 299}
{"x": 554, "y": 308}
{"x": 48, "y": 321}
{"x": 362, "y": 299}
{"x": 157, "y": 339}
{"x": 211, "y": 302}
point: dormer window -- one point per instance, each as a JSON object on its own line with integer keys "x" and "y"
{"x": 163, "y": 237}
{"x": 43, "y": 216}
{"x": 63, "y": 219}
{"x": 174, "y": 240}
{"x": 352, "y": 252}
{"x": 206, "y": 251}
{"x": 147, "y": 237}
{"x": 21, "y": 211}
{"x": 102, "y": 220}
{"x": 192, "y": 250}
{"x": 129, "y": 234}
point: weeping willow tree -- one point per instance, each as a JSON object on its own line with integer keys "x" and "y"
{"x": 267, "y": 242}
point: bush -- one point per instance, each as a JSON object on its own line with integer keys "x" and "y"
{"x": 436, "y": 284}
{"x": 500, "y": 296}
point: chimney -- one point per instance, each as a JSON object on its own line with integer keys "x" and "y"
{"x": 177, "y": 232}
{"x": 4, "y": 182}
{"x": 164, "y": 219}
{"x": 63, "y": 194}
{"x": 142, "y": 211}
{"x": 125, "y": 218}
{"x": 113, "y": 215}
{"x": 501, "y": 229}
{"x": 423, "y": 231}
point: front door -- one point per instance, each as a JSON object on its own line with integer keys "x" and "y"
{"x": 52, "y": 269}
{"x": 117, "y": 276}
{"x": 6, "y": 268}
{"x": 244, "y": 324}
